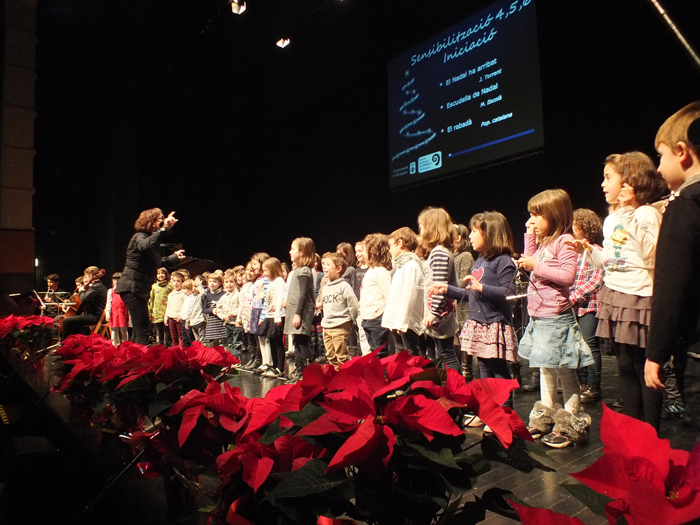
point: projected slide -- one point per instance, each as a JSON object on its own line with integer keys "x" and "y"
{"x": 467, "y": 97}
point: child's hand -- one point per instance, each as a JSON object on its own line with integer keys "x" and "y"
{"x": 296, "y": 322}
{"x": 527, "y": 263}
{"x": 259, "y": 323}
{"x": 530, "y": 225}
{"x": 438, "y": 289}
{"x": 579, "y": 246}
{"x": 626, "y": 196}
{"x": 473, "y": 283}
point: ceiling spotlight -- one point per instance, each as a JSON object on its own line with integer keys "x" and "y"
{"x": 237, "y": 7}
{"x": 283, "y": 42}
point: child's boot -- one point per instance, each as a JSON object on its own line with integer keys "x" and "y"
{"x": 541, "y": 420}
{"x": 569, "y": 429}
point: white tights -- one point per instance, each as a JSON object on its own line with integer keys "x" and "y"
{"x": 569, "y": 385}
{"x": 265, "y": 350}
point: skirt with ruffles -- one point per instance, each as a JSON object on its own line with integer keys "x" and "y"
{"x": 489, "y": 340}
{"x": 555, "y": 342}
{"x": 623, "y": 317}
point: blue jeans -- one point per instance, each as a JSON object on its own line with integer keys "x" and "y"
{"x": 445, "y": 348}
{"x": 590, "y": 375}
{"x": 377, "y": 337}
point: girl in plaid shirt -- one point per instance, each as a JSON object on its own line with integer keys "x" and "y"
{"x": 584, "y": 299}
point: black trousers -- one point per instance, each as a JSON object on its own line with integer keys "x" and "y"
{"x": 138, "y": 310}
{"x": 641, "y": 402}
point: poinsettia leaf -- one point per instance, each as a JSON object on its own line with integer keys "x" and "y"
{"x": 630, "y": 437}
{"x": 471, "y": 513}
{"x": 189, "y": 421}
{"x": 496, "y": 500}
{"x": 305, "y": 481}
{"x": 157, "y": 406}
{"x": 272, "y": 432}
{"x": 306, "y": 415}
{"x": 608, "y": 476}
{"x": 160, "y": 387}
{"x": 538, "y": 450}
{"x": 536, "y": 516}
{"x": 444, "y": 457}
{"x": 589, "y": 497}
{"x": 256, "y": 469}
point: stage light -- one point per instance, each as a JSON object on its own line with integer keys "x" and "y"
{"x": 237, "y": 7}
{"x": 283, "y": 42}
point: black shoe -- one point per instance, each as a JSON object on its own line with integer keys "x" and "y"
{"x": 321, "y": 360}
{"x": 534, "y": 384}
{"x": 672, "y": 408}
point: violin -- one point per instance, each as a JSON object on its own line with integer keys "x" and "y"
{"x": 74, "y": 308}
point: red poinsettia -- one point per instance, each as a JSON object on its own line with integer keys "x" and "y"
{"x": 485, "y": 398}
{"x": 651, "y": 483}
{"x": 227, "y": 408}
{"x": 11, "y": 322}
{"x": 536, "y": 516}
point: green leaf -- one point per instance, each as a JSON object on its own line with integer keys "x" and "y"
{"x": 273, "y": 432}
{"x": 158, "y": 406}
{"x": 100, "y": 406}
{"x": 307, "y": 480}
{"x": 495, "y": 500}
{"x": 444, "y": 457}
{"x": 311, "y": 412}
{"x": 160, "y": 387}
{"x": 471, "y": 513}
{"x": 589, "y": 497}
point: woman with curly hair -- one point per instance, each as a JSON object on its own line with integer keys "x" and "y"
{"x": 143, "y": 258}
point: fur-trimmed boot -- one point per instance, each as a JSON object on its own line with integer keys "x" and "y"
{"x": 569, "y": 429}
{"x": 541, "y": 419}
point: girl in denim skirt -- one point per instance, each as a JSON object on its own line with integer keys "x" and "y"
{"x": 552, "y": 340}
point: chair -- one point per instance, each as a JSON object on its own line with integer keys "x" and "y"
{"x": 102, "y": 327}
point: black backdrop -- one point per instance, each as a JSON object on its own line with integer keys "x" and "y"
{"x": 184, "y": 106}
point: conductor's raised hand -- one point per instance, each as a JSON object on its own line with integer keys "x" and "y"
{"x": 169, "y": 221}
{"x": 180, "y": 254}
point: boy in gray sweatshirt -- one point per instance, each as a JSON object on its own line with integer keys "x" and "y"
{"x": 339, "y": 309}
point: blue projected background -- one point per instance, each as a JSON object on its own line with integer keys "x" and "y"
{"x": 467, "y": 97}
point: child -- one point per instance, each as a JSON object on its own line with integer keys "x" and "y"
{"x": 193, "y": 322}
{"x": 345, "y": 249}
{"x": 227, "y": 310}
{"x": 215, "y": 333}
{"x": 675, "y": 307}
{"x": 630, "y": 184}
{"x": 437, "y": 238}
{"x": 257, "y": 312}
{"x": 176, "y": 298}
{"x": 463, "y": 264}
{"x": 404, "y": 306}
{"x": 360, "y": 272}
{"x": 552, "y": 340}
{"x": 300, "y": 300}
{"x": 375, "y": 292}
{"x": 272, "y": 348}
{"x": 116, "y": 313}
{"x": 158, "y": 302}
{"x": 243, "y": 319}
{"x": 584, "y": 298}
{"x": 489, "y": 333}
{"x": 339, "y": 309}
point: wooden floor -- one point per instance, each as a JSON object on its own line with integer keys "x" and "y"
{"x": 538, "y": 488}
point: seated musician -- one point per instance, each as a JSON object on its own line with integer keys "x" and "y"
{"x": 92, "y": 295}
{"x": 53, "y": 297}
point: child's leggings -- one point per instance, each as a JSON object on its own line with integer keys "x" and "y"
{"x": 569, "y": 385}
